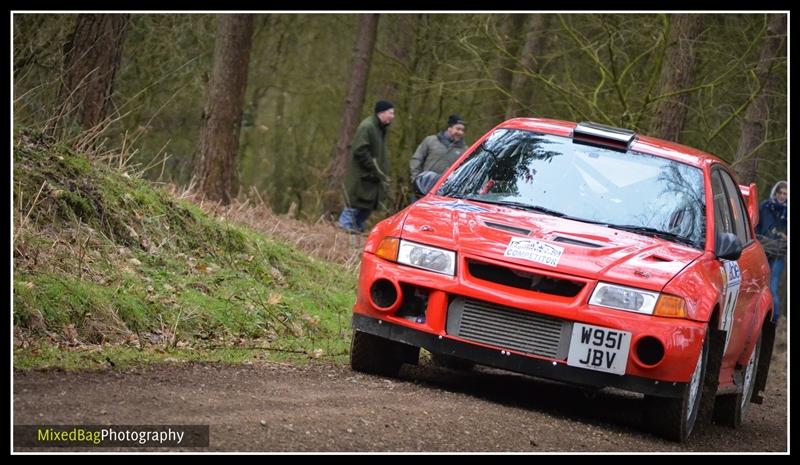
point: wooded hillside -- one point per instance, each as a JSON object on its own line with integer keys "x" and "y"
{"x": 717, "y": 82}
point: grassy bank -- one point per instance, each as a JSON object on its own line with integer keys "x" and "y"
{"x": 110, "y": 270}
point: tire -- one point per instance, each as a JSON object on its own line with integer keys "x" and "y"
{"x": 730, "y": 409}
{"x": 764, "y": 360}
{"x": 378, "y": 356}
{"x": 453, "y": 363}
{"x": 713, "y": 367}
{"x": 675, "y": 418}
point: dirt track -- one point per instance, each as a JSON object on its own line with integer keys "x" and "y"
{"x": 272, "y": 407}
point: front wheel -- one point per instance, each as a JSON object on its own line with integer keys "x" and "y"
{"x": 674, "y": 418}
{"x": 730, "y": 409}
{"x": 376, "y": 355}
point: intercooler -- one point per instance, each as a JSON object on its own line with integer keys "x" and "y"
{"x": 509, "y": 328}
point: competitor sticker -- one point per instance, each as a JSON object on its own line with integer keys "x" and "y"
{"x": 533, "y": 250}
{"x": 462, "y": 206}
{"x": 732, "y": 280}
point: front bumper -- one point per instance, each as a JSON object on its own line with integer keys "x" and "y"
{"x": 507, "y": 360}
{"x": 681, "y": 339}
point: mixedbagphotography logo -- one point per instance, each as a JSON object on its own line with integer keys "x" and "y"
{"x": 111, "y": 435}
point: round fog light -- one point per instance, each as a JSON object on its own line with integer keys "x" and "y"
{"x": 649, "y": 350}
{"x": 383, "y": 294}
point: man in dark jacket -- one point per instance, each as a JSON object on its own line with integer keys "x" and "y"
{"x": 437, "y": 152}
{"x": 771, "y": 231}
{"x": 366, "y": 181}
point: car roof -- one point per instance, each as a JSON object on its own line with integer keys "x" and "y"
{"x": 644, "y": 144}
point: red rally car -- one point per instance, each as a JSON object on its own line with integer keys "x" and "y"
{"x": 584, "y": 254}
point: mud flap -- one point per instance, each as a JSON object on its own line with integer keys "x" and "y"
{"x": 767, "y": 343}
{"x": 711, "y": 381}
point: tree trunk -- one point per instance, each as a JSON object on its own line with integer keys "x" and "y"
{"x": 755, "y": 118}
{"x": 402, "y": 32}
{"x": 215, "y": 169}
{"x": 400, "y": 91}
{"x": 91, "y": 60}
{"x": 354, "y": 101}
{"x": 521, "y": 86}
{"x": 677, "y": 73}
{"x": 510, "y": 32}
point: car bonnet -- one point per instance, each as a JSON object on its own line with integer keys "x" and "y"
{"x": 542, "y": 241}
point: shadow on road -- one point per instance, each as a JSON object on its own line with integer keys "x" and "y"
{"x": 514, "y": 390}
{"x": 608, "y": 409}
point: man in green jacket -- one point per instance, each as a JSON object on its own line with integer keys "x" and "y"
{"x": 366, "y": 181}
{"x": 438, "y": 151}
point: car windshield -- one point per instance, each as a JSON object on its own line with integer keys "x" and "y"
{"x": 554, "y": 175}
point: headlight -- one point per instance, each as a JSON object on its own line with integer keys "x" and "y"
{"x": 624, "y": 298}
{"x": 427, "y": 257}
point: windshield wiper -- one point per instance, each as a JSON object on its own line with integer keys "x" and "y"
{"x": 535, "y": 208}
{"x": 655, "y": 232}
{"x": 518, "y": 206}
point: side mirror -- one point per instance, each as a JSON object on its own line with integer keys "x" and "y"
{"x": 727, "y": 246}
{"x": 424, "y": 182}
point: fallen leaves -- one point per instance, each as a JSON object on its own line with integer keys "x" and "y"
{"x": 70, "y": 333}
{"x": 274, "y": 298}
{"x": 296, "y": 329}
{"x": 312, "y": 321}
{"x": 316, "y": 353}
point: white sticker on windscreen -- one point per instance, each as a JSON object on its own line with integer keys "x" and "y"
{"x": 535, "y": 251}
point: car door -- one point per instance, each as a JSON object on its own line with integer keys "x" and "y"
{"x": 742, "y": 285}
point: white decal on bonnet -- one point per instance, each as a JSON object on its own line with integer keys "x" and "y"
{"x": 533, "y": 250}
{"x": 462, "y": 206}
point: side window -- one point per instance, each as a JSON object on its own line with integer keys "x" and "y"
{"x": 722, "y": 211}
{"x": 737, "y": 208}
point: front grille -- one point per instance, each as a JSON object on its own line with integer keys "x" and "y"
{"x": 509, "y": 328}
{"x": 524, "y": 279}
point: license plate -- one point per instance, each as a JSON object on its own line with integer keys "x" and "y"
{"x": 598, "y": 348}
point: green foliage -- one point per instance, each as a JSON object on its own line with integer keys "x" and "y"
{"x": 38, "y": 55}
{"x": 600, "y": 67}
{"x": 102, "y": 259}
{"x": 43, "y": 356}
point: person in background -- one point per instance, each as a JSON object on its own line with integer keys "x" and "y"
{"x": 438, "y": 151}
{"x": 771, "y": 231}
{"x": 366, "y": 181}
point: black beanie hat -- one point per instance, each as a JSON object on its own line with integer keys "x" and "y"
{"x": 383, "y": 105}
{"x": 454, "y": 119}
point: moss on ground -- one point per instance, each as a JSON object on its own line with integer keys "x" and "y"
{"x": 108, "y": 266}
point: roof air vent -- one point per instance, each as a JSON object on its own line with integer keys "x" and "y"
{"x": 602, "y": 135}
